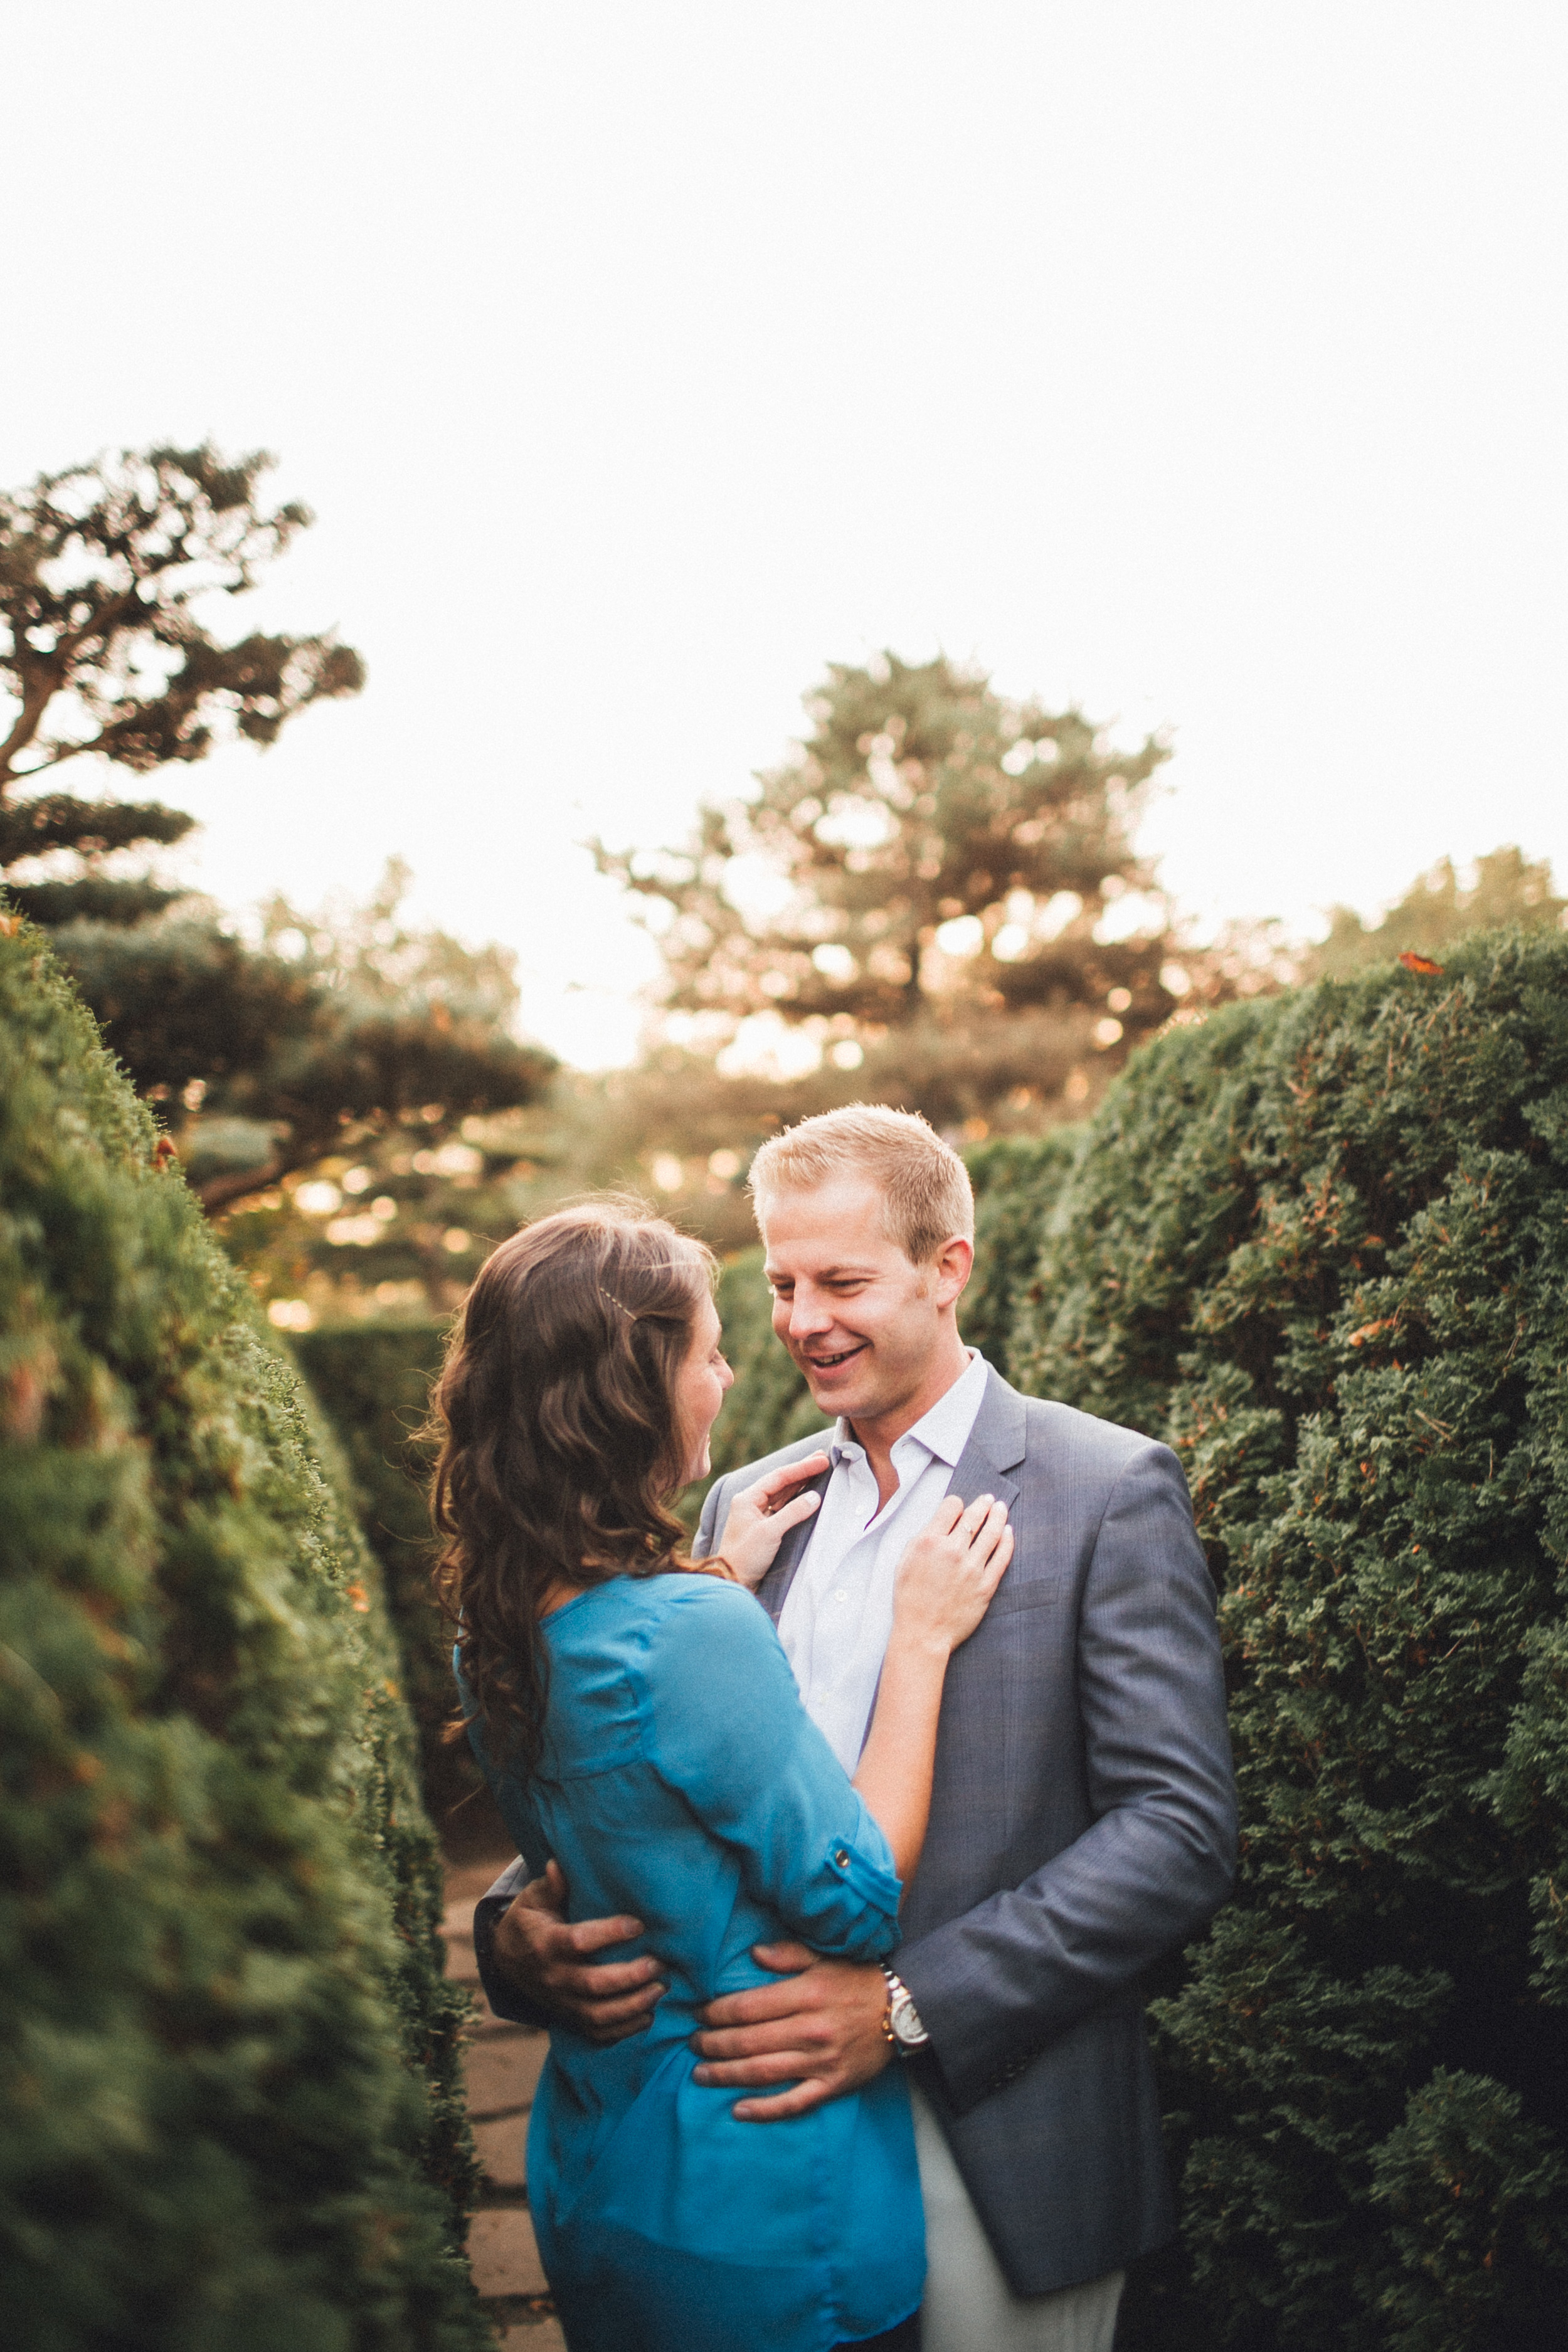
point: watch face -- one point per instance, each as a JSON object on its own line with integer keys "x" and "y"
{"x": 906, "y": 2023}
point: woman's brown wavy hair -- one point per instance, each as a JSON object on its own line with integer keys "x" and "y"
{"x": 560, "y": 1450}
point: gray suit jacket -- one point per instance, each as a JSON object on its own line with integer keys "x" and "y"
{"x": 1082, "y": 1822}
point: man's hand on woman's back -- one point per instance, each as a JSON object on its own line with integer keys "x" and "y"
{"x": 818, "y": 2032}
{"x": 551, "y": 1963}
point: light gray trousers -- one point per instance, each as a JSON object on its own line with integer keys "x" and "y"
{"x": 969, "y": 2306}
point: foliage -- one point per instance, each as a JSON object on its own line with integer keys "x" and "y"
{"x": 338, "y": 1034}
{"x": 373, "y": 1380}
{"x": 1437, "y": 911}
{"x": 1017, "y": 1180}
{"x": 105, "y": 569}
{"x": 1321, "y": 1245}
{"x": 227, "y": 2050}
{"x": 933, "y": 865}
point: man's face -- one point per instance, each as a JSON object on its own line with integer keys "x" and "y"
{"x": 865, "y": 1325}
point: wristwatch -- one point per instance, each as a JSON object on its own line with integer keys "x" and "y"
{"x": 902, "y": 2020}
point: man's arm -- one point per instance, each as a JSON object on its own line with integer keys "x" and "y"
{"x": 537, "y": 1969}
{"x": 994, "y": 1987}
{"x": 505, "y": 1996}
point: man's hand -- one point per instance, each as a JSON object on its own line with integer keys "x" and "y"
{"x": 820, "y": 2030}
{"x": 548, "y": 1961}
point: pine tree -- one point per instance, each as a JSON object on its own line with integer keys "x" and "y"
{"x": 105, "y": 659}
{"x": 953, "y": 900}
{"x": 343, "y": 1037}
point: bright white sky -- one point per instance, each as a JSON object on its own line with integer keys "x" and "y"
{"x": 1204, "y": 363}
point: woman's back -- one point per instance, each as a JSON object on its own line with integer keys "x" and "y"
{"x": 681, "y": 1780}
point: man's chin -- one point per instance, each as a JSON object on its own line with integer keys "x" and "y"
{"x": 843, "y": 1391}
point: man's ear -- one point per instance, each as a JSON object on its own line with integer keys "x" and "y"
{"x": 954, "y": 1264}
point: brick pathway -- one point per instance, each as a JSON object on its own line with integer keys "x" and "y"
{"x": 503, "y": 2065}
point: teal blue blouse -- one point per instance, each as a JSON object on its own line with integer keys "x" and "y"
{"x": 683, "y": 1782}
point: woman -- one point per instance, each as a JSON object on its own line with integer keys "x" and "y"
{"x": 640, "y": 1725}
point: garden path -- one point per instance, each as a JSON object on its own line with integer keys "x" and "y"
{"x": 503, "y": 2064}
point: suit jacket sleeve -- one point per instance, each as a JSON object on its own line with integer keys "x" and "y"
{"x": 998, "y": 1984}
{"x": 504, "y": 1994}
{"x": 707, "y": 1534}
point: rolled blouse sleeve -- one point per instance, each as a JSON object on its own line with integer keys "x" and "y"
{"x": 725, "y": 1727}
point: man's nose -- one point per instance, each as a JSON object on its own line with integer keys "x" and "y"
{"x": 809, "y": 1312}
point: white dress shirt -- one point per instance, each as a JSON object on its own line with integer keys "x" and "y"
{"x": 838, "y": 1611}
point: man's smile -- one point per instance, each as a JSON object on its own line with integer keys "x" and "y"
{"x": 830, "y": 1363}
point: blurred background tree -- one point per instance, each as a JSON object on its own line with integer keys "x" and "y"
{"x": 335, "y": 1033}
{"x": 931, "y": 854}
{"x": 934, "y": 901}
{"x": 1437, "y": 912}
{"x": 317, "y": 1084}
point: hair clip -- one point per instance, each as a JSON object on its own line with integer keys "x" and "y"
{"x": 610, "y": 1294}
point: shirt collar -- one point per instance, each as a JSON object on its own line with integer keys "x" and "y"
{"x": 944, "y": 1430}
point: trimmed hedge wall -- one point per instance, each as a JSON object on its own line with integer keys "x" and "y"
{"x": 227, "y": 2056}
{"x": 373, "y": 1380}
{"x": 1017, "y": 1182}
{"x": 1321, "y": 1245}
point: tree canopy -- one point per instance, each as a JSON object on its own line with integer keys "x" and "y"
{"x": 336, "y": 1031}
{"x": 929, "y": 845}
{"x": 1439, "y": 911}
{"x": 107, "y": 573}
{"x": 326, "y": 1033}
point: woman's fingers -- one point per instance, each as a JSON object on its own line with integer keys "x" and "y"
{"x": 760, "y": 1516}
{"x": 778, "y": 1484}
{"x": 996, "y": 1564}
{"x": 992, "y": 1530}
{"x": 790, "y": 1515}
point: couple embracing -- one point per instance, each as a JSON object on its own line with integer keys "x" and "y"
{"x": 845, "y": 1842}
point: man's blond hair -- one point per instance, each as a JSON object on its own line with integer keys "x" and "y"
{"x": 924, "y": 1184}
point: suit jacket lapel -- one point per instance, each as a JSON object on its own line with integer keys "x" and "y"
{"x": 774, "y": 1589}
{"x": 997, "y": 1442}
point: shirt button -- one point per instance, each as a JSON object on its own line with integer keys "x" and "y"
{"x": 842, "y": 1859}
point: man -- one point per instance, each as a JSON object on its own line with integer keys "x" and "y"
{"x": 1082, "y": 1815}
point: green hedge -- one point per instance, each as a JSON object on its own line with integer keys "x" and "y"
{"x": 373, "y": 1381}
{"x": 227, "y": 2057}
{"x": 1321, "y": 1245}
{"x": 1017, "y": 1182}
